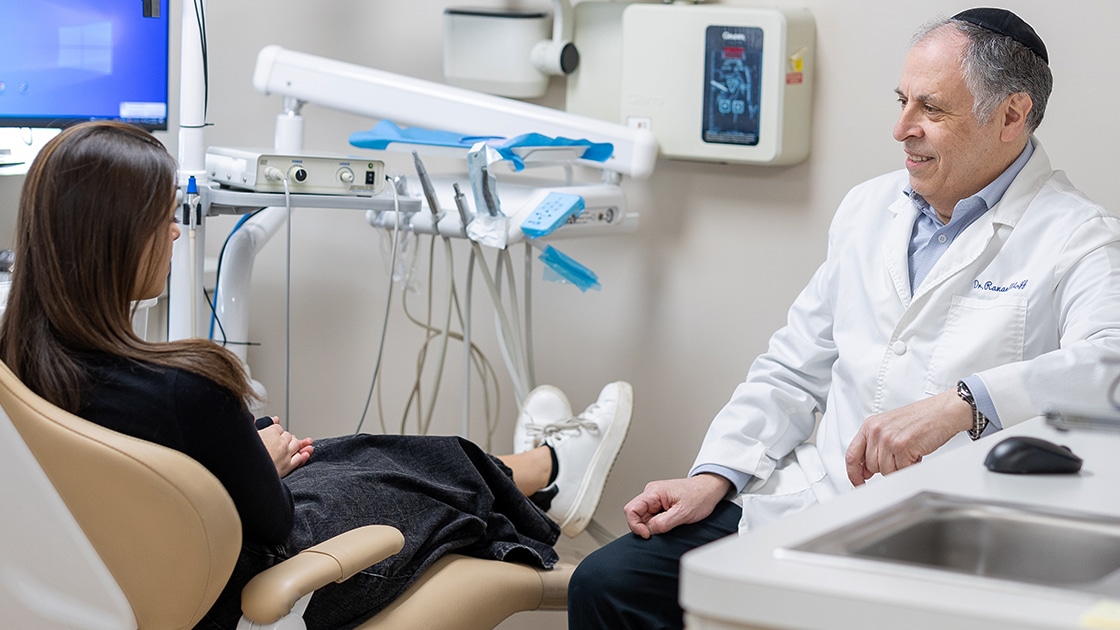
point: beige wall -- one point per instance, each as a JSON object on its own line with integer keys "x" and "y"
{"x": 687, "y": 302}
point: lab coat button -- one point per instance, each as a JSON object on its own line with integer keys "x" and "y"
{"x": 898, "y": 347}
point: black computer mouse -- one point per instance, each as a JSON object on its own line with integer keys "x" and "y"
{"x": 1030, "y": 455}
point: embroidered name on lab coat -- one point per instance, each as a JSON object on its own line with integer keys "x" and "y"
{"x": 991, "y": 286}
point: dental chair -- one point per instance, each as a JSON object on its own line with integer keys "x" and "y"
{"x": 102, "y": 530}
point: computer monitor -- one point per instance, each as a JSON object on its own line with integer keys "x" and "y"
{"x": 68, "y": 61}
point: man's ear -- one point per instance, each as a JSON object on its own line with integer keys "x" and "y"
{"x": 1015, "y": 111}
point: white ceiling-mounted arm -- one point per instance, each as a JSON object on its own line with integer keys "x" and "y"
{"x": 562, "y": 20}
{"x": 409, "y": 101}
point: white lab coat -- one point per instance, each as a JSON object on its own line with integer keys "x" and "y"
{"x": 1028, "y": 297}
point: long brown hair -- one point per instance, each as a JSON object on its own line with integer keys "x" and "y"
{"x": 95, "y": 198}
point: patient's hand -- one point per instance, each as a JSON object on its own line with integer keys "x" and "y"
{"x": 288, "y": 452}
{"x": 666, "y": 504}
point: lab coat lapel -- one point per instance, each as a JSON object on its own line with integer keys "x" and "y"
{"x": 964, "y": 251}
{"x": 896, "y": 246}
{"x": 971, "y": 244}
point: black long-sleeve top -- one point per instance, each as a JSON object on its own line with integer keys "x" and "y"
{"x": 202, "y": 419}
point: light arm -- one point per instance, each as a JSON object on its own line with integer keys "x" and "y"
{"x": 409, "y": 101}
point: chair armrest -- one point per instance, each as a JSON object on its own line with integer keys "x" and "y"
{"x": 271, "y": 594}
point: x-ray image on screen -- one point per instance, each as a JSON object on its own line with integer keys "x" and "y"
{"x": 733, "y": 84}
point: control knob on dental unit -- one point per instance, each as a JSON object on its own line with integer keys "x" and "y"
{"x": 297, "y": 173}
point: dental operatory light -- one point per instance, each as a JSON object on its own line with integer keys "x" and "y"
{"x": 410, "y": 101}
{"x": 508, "y": 52}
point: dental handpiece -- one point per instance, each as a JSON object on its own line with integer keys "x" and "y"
{"x": 461, "y": 206}
{"x": 429, "y": 190}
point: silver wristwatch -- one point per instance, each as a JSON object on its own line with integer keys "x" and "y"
{"x": 979, "y": 420}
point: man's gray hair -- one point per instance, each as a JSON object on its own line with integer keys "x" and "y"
{"x": 996, "y": 66}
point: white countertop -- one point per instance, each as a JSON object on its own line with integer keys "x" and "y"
{"x": 742, "y": 580}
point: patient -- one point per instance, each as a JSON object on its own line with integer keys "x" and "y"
{"x": 96, "y": 224}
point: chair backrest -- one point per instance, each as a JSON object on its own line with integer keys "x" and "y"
{"x": 162, "y": 524}
{"x": 50, "y": 576}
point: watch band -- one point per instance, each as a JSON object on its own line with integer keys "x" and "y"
{"x": 979, "y": 420}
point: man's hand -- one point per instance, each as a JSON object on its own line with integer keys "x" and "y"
{"x": 896, "y": 439}
{"x": 665, "y": 504}
{"x": 288, "y": 452}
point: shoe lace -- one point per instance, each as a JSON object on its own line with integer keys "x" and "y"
{"x": 574, "y": 423}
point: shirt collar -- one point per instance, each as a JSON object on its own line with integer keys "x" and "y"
{"x": 984, "y": 200}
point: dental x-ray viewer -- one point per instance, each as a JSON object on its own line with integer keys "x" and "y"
{"x": 963, "y": 294}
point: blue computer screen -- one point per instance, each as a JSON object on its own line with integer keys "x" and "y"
{"x": 65, "y": 61}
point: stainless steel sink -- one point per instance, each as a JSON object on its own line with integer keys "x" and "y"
{"x": 994, "y": 540}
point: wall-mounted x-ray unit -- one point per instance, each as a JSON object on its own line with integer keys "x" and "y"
{"x": 713, "y": 82}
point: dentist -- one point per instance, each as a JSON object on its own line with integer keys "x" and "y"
{"x": 966, "y": 293}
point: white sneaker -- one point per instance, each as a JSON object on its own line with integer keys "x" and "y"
{"x": 544, "y": 405}
{"x": 586, "y": 447}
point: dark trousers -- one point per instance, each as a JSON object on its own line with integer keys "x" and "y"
{"x": 633, "y": 583}
{"x": 443, "y": 493}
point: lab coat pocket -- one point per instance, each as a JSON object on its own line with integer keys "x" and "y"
{"x": 798, "y": 481}
{"x": 979, "y": 334}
